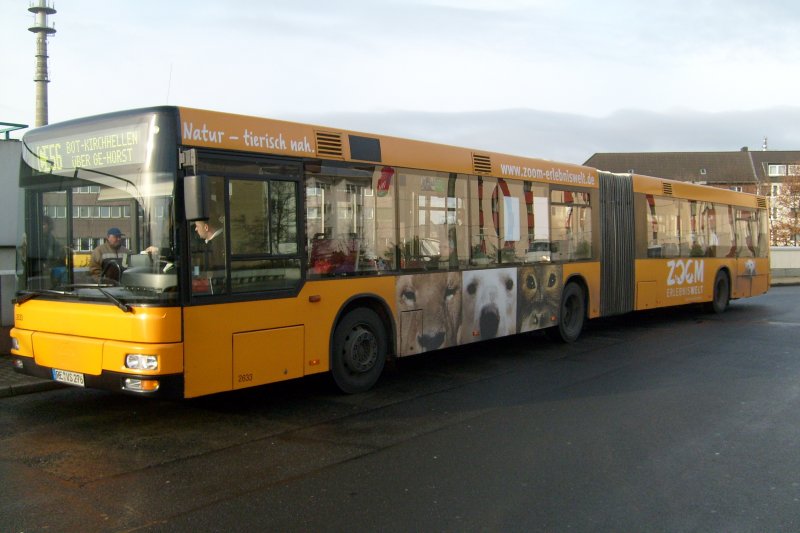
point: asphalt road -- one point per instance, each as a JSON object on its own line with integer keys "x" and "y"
{"x": 663, "y": 421}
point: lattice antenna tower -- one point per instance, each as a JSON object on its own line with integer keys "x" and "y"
{"x": 41, "y": 9}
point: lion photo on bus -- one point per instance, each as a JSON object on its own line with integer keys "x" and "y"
{"x": 430, "y": 311}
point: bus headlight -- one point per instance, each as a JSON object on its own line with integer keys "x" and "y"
{"x": 137, "y": 361}
{"x": 14, "y": 343}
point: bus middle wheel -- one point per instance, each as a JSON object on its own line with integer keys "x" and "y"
{"x": 572, "y": 313}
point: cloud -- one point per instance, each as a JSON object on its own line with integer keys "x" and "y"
{"x": 574, "y": 138}
{"x": 575, "y": 56}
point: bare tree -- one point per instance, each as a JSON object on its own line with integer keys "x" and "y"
{"x": 786, "y": 209}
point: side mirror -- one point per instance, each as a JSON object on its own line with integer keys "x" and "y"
{"x": 195, "y": 197}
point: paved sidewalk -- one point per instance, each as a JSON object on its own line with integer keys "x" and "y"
{"x": 777, "y": 282}
{"x": 12, "y": 383}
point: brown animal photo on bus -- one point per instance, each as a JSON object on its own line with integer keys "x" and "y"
{"x": 430, "y": 311}
{"x": 539, "y": 296}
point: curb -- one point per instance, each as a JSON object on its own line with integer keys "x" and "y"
{"x": 15, "y": 384}
{"x": 28, "y": 388}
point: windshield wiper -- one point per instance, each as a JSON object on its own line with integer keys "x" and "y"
{"x": 119, "y": 303}
{"x": 127, "y": 308}
{"x": 33, "y": 294}
{"x": 27, "y": 296}
{"x": 80, "y": 286}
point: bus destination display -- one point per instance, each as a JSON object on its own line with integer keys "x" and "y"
{"x": 106, "y": 148}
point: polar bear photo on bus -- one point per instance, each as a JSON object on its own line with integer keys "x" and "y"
{"x": 490, "y": 304}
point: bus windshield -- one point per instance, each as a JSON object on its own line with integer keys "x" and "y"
{"x": 97, "y": 211}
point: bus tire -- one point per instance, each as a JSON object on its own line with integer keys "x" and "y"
{"x": 359, "y": 349}
{"x": 572, "y": 313}
{"x": 722, "y": 294}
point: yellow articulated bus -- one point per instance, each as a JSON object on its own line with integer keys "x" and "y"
{"x": 243, "y": 251}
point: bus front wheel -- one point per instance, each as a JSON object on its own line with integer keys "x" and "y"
{"x": 571, "y": 315}
{"x": 359, "y": 351}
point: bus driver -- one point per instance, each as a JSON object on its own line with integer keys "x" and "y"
{"x": 113, "y": 250}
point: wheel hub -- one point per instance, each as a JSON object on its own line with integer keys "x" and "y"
{"x": 361, "y": 350}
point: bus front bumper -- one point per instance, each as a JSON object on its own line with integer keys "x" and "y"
{"x": 157, "y": 386}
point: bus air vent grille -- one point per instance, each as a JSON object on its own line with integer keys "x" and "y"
{"x": 481, "y": 164}
{"x": 329, "y": 144}
{"x": 667, "y": 188}
{"x": 762, "y": 203}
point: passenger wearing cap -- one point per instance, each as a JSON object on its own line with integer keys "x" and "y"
{"x": 110, "y": 251}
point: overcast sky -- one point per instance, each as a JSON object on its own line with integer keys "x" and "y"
{"x": 552, "y": 79}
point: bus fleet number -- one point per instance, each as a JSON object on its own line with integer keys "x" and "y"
{"x": 243, "y": 378}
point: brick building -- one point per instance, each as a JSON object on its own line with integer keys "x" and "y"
{"x": 757, "y": 172}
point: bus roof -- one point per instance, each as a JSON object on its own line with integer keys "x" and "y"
{"x": 253, "y": 134}
{"x": 693, "y": 191}
{"x": 212, "y": 129}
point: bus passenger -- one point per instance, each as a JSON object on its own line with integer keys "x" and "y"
{"x": 209, "y": 257}
{"x": 214, "y": 246}
{"x": 47, "y": 253}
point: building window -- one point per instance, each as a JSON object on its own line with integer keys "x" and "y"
{"x": 736, "y": 188}
{"x": 777, "y": 170}
{"x": 702, "y": 172}
{"x": 58, "y": 211}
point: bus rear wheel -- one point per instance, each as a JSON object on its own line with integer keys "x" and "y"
{"x": 722, "y": 294}
{"x": 571, "y": 315}
{"x": 359, "y": 351}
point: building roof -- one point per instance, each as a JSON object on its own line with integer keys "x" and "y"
{"x": 762, "y": 160}
{"x": 742, "y": 167}
{"x": 708, "y": 167}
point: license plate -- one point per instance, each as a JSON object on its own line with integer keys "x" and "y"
{"x": 70, "y": 378}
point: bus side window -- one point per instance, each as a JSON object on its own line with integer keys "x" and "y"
{"x": 263, "y": 234}
{"x": 350, "y": 219}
